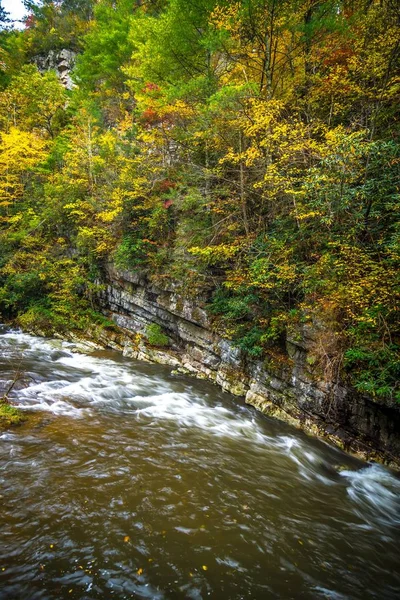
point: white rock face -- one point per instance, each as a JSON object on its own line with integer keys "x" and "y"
{"x": 61, "y": 62}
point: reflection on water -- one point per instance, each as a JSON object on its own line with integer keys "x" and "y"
{"x": 129, "y": 482}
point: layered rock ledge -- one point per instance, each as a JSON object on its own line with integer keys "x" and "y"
{"x": 292, "y": 391}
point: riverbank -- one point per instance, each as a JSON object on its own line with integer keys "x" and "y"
{"x": 290, "y": 383}
{"x": 232, "y": 377}
{"x": 235, "y": 382}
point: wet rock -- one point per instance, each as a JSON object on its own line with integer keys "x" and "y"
{"x": 57, "y": 354}
{"x": 329, "y": 471}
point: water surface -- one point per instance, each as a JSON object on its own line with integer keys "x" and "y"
{"x": 130, "y": 482}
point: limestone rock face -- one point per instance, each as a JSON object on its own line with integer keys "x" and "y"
{"x": 293, "y": 391}
{"x": 61, "y": 62}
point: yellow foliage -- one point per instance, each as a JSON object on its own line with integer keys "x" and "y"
{"x": 20, "y": 152}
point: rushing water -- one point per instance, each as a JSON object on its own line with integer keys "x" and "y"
{"x": 130, "y": 482}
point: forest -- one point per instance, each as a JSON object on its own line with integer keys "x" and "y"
{"x": 247, "y": 150}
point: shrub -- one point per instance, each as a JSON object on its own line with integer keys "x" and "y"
{"x": 155, "y": 335}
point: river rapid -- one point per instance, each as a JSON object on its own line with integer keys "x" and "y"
{"x": 128, "y": 481}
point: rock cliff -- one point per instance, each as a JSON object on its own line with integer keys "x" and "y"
{"x": 291, "y": 389}
{"x": 61, "y": 62}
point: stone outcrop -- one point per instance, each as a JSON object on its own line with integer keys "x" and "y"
{"x": 291, "y": 390}
{"x": 61, "y": 62}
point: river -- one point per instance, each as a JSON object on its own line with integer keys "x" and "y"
{"x": 128, "y": 481}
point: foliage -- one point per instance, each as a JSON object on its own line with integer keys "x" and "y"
{"x": 10, "y": 415}
{"x": 56, "y": 25}
{"x": 248, "y": 150}
{"x": 155, "y": 335}
{"x": 131, "y": 253}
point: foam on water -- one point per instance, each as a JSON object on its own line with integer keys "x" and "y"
{"x": 87, "y": 381}
{"x": 77, "y": 385}
{"x": 377, "y": 492}
{"x": 191, "y": 411}
{"x": 30, "y": 343}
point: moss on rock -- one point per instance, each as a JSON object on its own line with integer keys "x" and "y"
{"x": 10, "y": 415}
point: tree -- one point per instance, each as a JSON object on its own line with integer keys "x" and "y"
{"x": 57, "y": 25}
{"x": 33, "y": 101}
{"x": 4, "y": 18}
{"x": 21, "y": 152}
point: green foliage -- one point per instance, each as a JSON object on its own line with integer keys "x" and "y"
{"x": 107, "y": 46}
{"x": 52, "y": 26}
{"x": 233, "y": 307}
{"x": 173, "y": 47}
{"x": 252, "y": 325}
{"x": 155, "y": 335}
{"x": 47, "y": 319}
{"x": 20, "y": 290}
{"x": 245, "y": 150}
{"x": 12, "y": 55}
{"x": 33, "y": 101}
{"x": 132, "y": 252}
{"x": 250, "y": 341}
{"x": 377, "y": 370}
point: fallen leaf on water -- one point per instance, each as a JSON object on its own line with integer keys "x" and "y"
{"x": 127, "y": 538}
{"x": 51, "y": 545}
{"x": 139, "y": 571}
{"x": 204, "y": 567}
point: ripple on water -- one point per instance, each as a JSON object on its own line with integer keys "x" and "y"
{"x": 140, "y": 485}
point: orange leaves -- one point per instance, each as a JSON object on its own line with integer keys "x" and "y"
{"x": 150, "y": 116}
